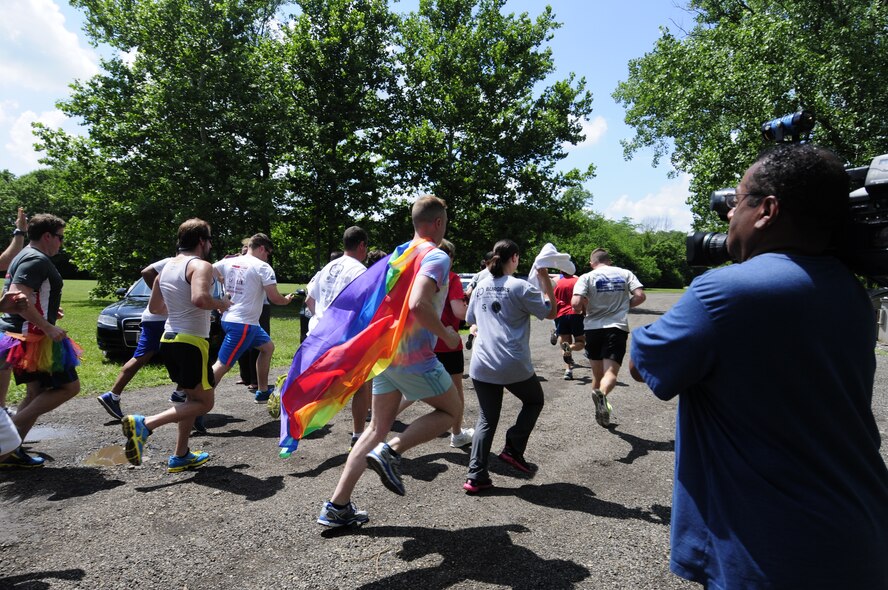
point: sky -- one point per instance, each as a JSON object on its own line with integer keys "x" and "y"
{"x": 43, "y": 49}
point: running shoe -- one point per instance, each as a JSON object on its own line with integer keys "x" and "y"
{"x": 332, "y": 516}
{"x": 177, "y": 397}
{"x": 136, "y": 434}
{"x": 387, "y": 463}
{"x": 568, "y": 375}
{"x": 553, "y": 338}
{"x": 470, "y": 341}
{"x": 111, "y": 405}
{"x": 354, "y": 440}
{"x": 566, "y": 355}
{"x": 273, "y": 405}
{"x": 200, "y": 426}
{"x": 473, "y": 486}
{"x": 261, "y": 397}
{"x": 602, "y": 408}
{"x": 463, "y": 438}
{"x": 512, "y": 458}
{"x": 191, "y": 460}
{"x": 19, "y": 459}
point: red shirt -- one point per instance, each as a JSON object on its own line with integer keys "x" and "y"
{"x": 564, "y": 289}
{"x": 447, "y": 318}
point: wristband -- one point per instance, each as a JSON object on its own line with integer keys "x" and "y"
{"x": 19, "y": 232}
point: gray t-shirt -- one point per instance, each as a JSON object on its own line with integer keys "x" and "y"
{"x": 502, "y": 307}
{"x": 608, "y": 290}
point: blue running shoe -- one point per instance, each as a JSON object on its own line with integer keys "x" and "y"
{"x": 19, "y": 459}
{"x": 177, "y": 397}
{"x": 191, "y": 460}
{"x": 387, "y": 463}
{"x": 111, "y": 405}
{"x": 262, "y": 396}
{"x": 199, "y": 426}
{"x": 136, "y": 434}
{"x": 335, "y": 517}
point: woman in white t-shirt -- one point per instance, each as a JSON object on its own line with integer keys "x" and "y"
{"x": 501, "y": 306}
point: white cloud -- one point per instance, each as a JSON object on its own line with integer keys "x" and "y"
{"x": 19, "y": 149}
{"x": 668, "y": 204}
{"x": 593, "y": 131}
{"x": 7, "y": 108}
{"x": 37, "y": 52}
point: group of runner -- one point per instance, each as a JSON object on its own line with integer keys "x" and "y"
{"x": 779, "y": 477}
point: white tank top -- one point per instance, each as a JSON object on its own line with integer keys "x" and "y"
{"x": 183, "y": 317}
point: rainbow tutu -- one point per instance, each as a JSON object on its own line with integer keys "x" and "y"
{"x": 37, "y": 353}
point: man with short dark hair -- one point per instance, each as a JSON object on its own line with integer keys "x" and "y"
{"x": 779, "y": 482}
{"x": 184, "y": 292}
{"x": 33, "y": 274}
{"x": 249, "y": 280}
{"x": 607, "y": 293}
{"x": 151, "y": 328}
{"x": 324, "y": 288}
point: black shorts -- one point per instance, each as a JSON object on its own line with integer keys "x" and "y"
{"x": 187, "y": 359}
{"x": 569, "y": 324}
{"x": 606, "y": 343}
{"x": 453, "y": 361}
{"x": 48, "y": 380}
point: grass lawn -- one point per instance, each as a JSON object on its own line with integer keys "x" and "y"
{"x": 98, "y": 373}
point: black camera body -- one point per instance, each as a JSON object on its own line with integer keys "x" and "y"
{"x": 865, "y": 247}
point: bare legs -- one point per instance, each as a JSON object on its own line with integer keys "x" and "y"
{"x": 445, "y": 408}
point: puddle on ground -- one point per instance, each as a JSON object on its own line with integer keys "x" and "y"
{"x": 39, "y": 433}
{"x": 106, "y": 457}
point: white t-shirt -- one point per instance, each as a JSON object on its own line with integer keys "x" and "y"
{"x": 608, "y": 289}
{"x": 329, "y": 282}
{"x": 245, "y": 278}
{"x": 147, "y": 316}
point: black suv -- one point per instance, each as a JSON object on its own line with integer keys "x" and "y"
{"x": 117, "y": 330}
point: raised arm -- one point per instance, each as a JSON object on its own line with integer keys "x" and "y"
{"x": 18, "y": 240}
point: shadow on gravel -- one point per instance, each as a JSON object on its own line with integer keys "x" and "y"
{"x": 228, "y": 479}
{"x": 35, "y": 581}
{"x": 428, "y": 467}
{"x": 644, "y": 311}
{"x": 331, "y": 463}
{"x": 267, "y": 430}
{"x": 569, "y": 496}
{"x": 641, "y": 446}
{"x": 61, "y": 483}
{"x": 480, "y": 554}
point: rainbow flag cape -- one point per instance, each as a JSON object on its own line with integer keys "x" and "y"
{"x": 355, "y": 340}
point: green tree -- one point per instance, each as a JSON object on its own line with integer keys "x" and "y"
{"x": 701, "y": 98}
{"x": 475, "y": 127}
{"x": 336, "y": 55}
{"x": 184, "y": 130}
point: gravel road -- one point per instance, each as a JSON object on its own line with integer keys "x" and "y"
{"x": 595, "y": 516}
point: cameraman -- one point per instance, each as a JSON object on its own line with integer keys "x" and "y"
{"x": 778, "y": 478}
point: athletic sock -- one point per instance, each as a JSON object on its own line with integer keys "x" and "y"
{"x": 115, "y": 397}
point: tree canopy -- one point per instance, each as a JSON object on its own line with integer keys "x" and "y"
{"x": 301, "y": 125}
{"x": 700, "y": 98}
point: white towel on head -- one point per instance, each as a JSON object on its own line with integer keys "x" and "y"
{"x": 550, "y": 257}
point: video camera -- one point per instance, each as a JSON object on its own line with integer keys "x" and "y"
{"x": 865, "y": 249}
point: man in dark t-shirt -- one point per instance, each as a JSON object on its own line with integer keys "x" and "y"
{"x": 33, "y": 274}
